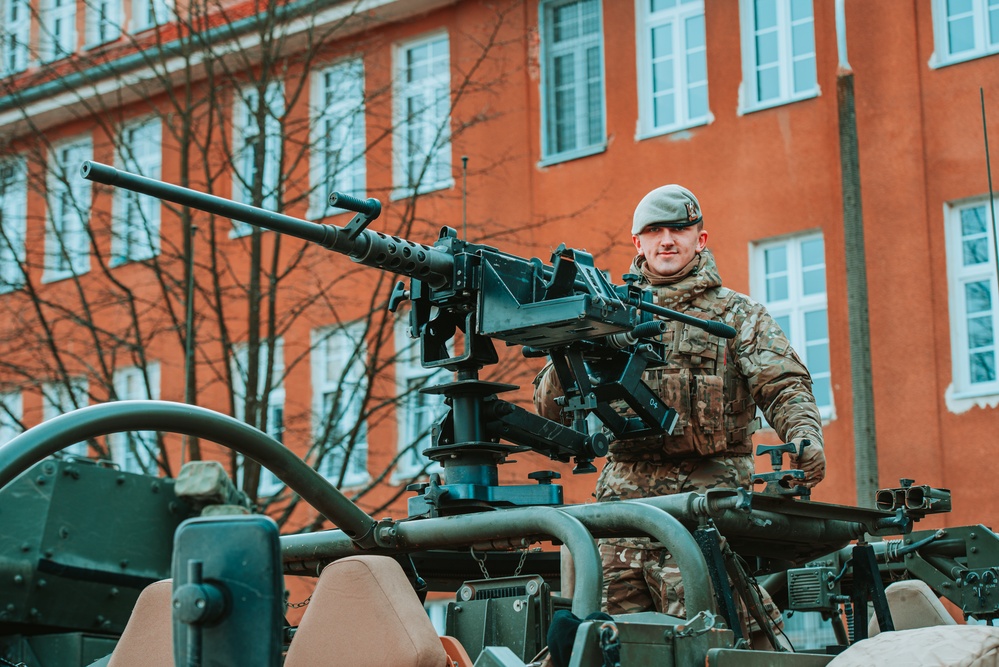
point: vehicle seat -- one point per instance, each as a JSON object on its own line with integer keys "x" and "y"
{"x": 147, "y": 640}
{"x": 365, "y": 613}
{"x": 937, "y": 646}
{"x": 913, "y": 605}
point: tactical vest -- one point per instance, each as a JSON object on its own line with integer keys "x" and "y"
{"x": 717, "y": 414}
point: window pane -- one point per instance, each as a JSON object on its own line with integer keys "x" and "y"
{"x": 813, "y": 252}
{"x": 802, "y": 39}
{"x": 822, "y": 390}
{"x": 816, "y": 326}
{"x": 695, "y": 31}
{"x": 975, "y": 252}
{"x": 776, "y": 259}
{"x": 980, "y": 332}
{"x": 665, "y": 110}
{"x": 662, "y": 41}
{"x": 659, "y": 5}
{"x": 697, "y": 67}
{"x": 662, "y": 76}
{"x": 973, "y": 221}
{"x": 768, "y": 84}
{"x": 817, "y": 358}
{"x": 697, "y": 102}
{"x": 978, "y": 297}
{"x": 566, "y": 25}
{"x": 961, "y": 34}
{"x": 958, "y": 7}
{"x": 766, "y": 14}
{"x": 766, "y": 48}
{"x": 994, "y": 25}
{"x": 983, "y": 367}
{"x": 784, "y": 322}
{"x": 813, "y": 281}
{"x": 801, "y": 9}
{"x": 591, "y": 17}
{"x": 776, "y": 289}
{"x": 804, "y": 75}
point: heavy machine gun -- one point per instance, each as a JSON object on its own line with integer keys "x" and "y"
{"x": 600, "y": 337}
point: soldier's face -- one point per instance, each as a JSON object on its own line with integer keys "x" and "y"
{"x": 668, "y": 250}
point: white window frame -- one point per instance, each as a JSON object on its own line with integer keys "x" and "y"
{"x": 981, "y": 15}
{"x": 674, "y": 19}
{"x": 338, "y": 360}
{"x": 57, "y": 29}
{"x": 797, "y": 305}
{"x": 268, "y": 483}
{"x": 337, "y": 155}
{"x": 15, "y": 36}
{"x": 749, "y": 89}
{"x": 102, "y": 22}
{"x": 67, "y": 240}
{"x": 958, "y": 276}
{"x": 577, "y": 48}
{"x": 421, "y": 139}
{"x": 148, "y": 14}
{"x": 135, "y": 225}
{"x": 416, "y": 411}
{"x": 245, "y": 133}
{"x": 11, "y": 412}
{"x": 13, "y": 222}
{"x": 135, "y": 451}
{"x": 61, "y": 397}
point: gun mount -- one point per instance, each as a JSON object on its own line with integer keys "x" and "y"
{"x": 600, "y": 337}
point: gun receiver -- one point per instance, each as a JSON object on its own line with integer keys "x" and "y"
{"x": 601, "y": 338}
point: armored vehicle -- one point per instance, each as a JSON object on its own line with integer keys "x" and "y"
{"x": 71, "y": 595}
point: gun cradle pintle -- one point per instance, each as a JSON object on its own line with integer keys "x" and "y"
{"x": 601, "y": 337}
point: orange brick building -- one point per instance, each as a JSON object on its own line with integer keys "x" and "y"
{"x": 836, "y": 148}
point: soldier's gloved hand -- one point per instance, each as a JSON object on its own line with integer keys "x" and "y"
{"x": 810, "y": 459}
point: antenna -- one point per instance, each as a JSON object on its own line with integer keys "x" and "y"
{"x": 464, "y": 195}
{"x": 988, "y": 169}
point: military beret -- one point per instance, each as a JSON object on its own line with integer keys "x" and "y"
{"x": 670, "y": 205}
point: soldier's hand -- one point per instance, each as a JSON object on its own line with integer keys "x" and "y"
{"x": 811, "y": 459}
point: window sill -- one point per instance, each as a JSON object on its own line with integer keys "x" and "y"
{"x": 652, "y": 133}
{"x": 763, "y": 106}
{"x": 937, "y": 61}
{"x": 49, "y": 276}
{"x": 572, "y": 155}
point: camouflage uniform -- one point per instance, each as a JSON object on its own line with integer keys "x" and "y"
{"x": 715, "y": 385}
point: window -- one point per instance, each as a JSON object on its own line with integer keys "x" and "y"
{"x": 971, "y": 272}
{"x": 964, "y": 29}
{"x": 421, "y": 142}
{"x": 57, "y": 29}
{"x": 417, "y": 411}
{"x": 251, "y": 137}
{"x": 103, "y": 21}
{"x": 10, "y": 416}
{"x": 135, "y": 229}
{"x": 672, "y": 65}
{"x": 13, "y": 223}
{"x": 270, "y": 392}
{"x": 338, "y": 145}
{"x": 789, "y": 278}
{"x": 135, "y": 451}
{"x": 62, "y": 397}
{"x": 149, "y": 13}
{"x": 339, "y": 385}
{"x": 572, "y": 80}
{"x": 15, "y": 36}
{"x": 67, "y": 243}
{"x": 778, "y": 52}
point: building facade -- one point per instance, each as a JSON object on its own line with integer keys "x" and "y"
{"x": 836, "y": 148}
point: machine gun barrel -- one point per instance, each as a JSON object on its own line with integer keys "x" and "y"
{"x": 364, "y": 246}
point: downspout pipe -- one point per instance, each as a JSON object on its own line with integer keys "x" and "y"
{"x": 861, "y": 379}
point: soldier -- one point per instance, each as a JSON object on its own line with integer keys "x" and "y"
{"x": 714, "y": 384}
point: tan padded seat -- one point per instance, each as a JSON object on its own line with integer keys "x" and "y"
{"x": 148, "y": 637}
{"x": 913, "y": 605}
{"x": 364, "y": 613}
{"x": 938, "y": 646}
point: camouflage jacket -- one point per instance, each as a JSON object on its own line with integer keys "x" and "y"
{"x": 715, "y": 385}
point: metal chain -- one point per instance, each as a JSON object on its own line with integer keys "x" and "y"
{"x": 520, "y": 565}
{"x": 8, "y": 663}
{"x": 482, "y": 562}
{"x": 299, "y": 605}
{"x": 610, "y": 645}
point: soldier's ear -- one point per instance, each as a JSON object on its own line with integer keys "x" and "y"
{"x": 702, "y": 240}
{"x": 637, "y": 241}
